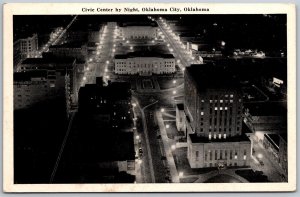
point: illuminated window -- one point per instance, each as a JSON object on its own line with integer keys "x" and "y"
{"x": 221, "y": 108}
{"x": 221, "y": 101}
{"x": 215, "y": 136}
{"x": 245, "y": 157}
{"x": 231, "y": 95}
{"x": 220, "y": 136}
{"x": 225, "y": 108}
{"x": 209, "y": 136}
{"x": 216, "y": 108}
{"x": 202, "y": 113}
{"x": 231, "y": 101}
{"x": 224, "y": 135}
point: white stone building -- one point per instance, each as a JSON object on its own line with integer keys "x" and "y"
{"x": 144, "y": 64}
{"x": 139, "y": 30}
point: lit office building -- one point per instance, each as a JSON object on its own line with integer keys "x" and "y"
{"x": 213, "y": 110}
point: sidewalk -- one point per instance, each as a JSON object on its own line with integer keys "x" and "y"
{"x": 167, "y": 148}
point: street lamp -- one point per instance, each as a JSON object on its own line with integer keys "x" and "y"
{"x": 173, "y": 147}
{"x": 107, "y": 62}
{"x": 174, "y": 91}
{"x": 137, "y": 137}
{"x": 223, "y": 43}
{"x": 133, "y": 104}
{"x": 174, "y": 81}
{"x": 180, "y": 174}
{"x": 162, "y": 110}
{"x": 131, "y": 47}
{"x": 84, "y": 78}
{"x": 105, "y": 70}
{"x": 167, "y": 126}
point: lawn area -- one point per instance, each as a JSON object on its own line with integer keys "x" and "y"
{"x": 167, "y": 82}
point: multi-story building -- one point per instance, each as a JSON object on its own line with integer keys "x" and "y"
{"x": 25, "y": 47}
{"x": 144, "y": 63}
{"x": 61, "y": 74}
{"x": 139, "y": 30}
{"x": 110, "y": 105}
{"x": 30, "y": 87}
{"x": 75, "y": 49}
{"x": 213, "y": 108}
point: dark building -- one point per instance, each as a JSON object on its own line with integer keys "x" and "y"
{"x": 110, "y": 105}
{"x": 213, "y": 110}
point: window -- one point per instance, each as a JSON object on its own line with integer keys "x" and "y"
{"x": 231, "y": 95}
{"x": 210, "y": 154}
{"x": 231, "y": 101}
{"x": 220, "y": 136}
{"x": 209, "y": 136}
{"x": 205, "y": 156}
{"x": 215, "y": 136}
{"x": 224, "y": 135}
{"x": 197, "y": 155}
{"x": 202, "y": 113}
{"x": 225, "y": 108}
{"x": 221, "y": 101}
{"x": 221, "y": 108}
{"x": 202, "y": 101}
{"x": 216, "y": 154}
{"x": 216, "y": 108}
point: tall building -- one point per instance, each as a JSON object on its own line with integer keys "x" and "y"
{"x": 25, "y": 47}
{"x": 144, "y": 63}
{"x": 213, "y": 108}
{"x": 144, "y": 30}
{"x": 62, "y": 74}
{"x": 110, "y": 105}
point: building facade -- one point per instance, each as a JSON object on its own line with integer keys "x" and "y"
{"x": 25, "y": 48}
{"x": 30, "y": 88}
{"x": 144, "y": 64}
{"x": 139, "y": 30}
{"x": 213, "y": 108}
{"x": 62, "y": 75}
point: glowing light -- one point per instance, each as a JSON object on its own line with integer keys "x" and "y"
{"x": 84, "y": 78}
{"x": 180, "y": 174}
{"x": 107, "y": 62}
{"x": 173, "y": 147}
{"x": 174, "y": 81}
{"x": 137, "y": 137}
{"x": 162, "y": 110}
{"x": 174, "y": 91}
{"x": 259, "y": 156}
{"x": 167, "y": 126}
{"x": 223, "y": 43}
{"x": 131, "y": 47}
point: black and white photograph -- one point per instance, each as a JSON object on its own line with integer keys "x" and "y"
{"x": 191, "y": 98}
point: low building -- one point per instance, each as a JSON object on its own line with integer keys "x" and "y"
{"x": 142, "y": 30}
{"x": 147, "y": 63}
{"x": 204, "y": 153}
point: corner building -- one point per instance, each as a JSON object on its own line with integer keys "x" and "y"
{"x": 213, "y": 108}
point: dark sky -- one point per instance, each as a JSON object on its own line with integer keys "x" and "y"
{"x": 239, "y": 31}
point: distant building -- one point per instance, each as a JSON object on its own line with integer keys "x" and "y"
{"x": 213, "y": 107}
{"x": 26, "y": 47}
{"x": 283, "y": 153}
{"x": 75, "y": 49}
{"x": 144, "y": 63}
{"x": 139, "y": 30}
{"x": 110, "y": 105}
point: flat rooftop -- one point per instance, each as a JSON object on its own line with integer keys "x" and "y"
{"x": 209, "y": 76}
{"x": 142, "y": 23}
{"x": 28, "y": 75}
{"x": 48, "y": 60}
{"x": 143, "y": 54}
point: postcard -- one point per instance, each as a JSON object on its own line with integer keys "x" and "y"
{"x": 144, "y": 97}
